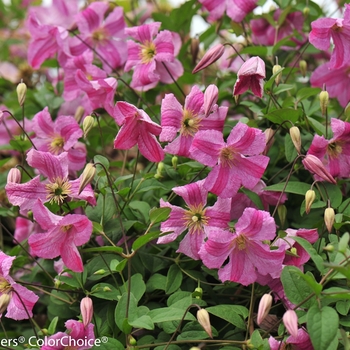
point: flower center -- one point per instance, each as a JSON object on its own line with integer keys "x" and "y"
{"x": 99, "y": 35}
{"x": 241, "y": 241}
{"x": 338, "y": 25}
{"x": 190, "y": 123}
{"x": 334, "y": 149}
{"x": 56, "y": 145}
{"x": 195, "y": 219}
{"x": 58, "y": 190}
{"x": 5, "y": 287}
{"x": 66, "y": 228}
{"x": 148, "y": 51}
{"x": 227, "y": 157}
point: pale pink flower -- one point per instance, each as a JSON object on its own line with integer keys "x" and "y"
{"x": 137, "y": 128}
{"x": 235, "y": 163}
{"x": 62, "y": 236}
{"x": 187, "y": 120}
{"x": 196, "y": 219}
{"x": 148, "y": 55}
{"x": 22, "y": 300}
{"x": 248, "y": 256}
{"x": 301, "y": 342}
{"x": 251, "y": 76}
{"x": 290, "y": 320}
{"x": 316, "y": 167}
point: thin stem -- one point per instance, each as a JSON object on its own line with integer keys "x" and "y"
{"x": 235, "y": 50}
{"x": 175, "y": 82}
{"x": 297, "y": 59}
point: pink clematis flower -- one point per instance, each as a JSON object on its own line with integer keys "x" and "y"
{"x": 21, "y": 300}
{"x": 251, "y": 76}
{"x": 197, "y": 219}
{"x": 235, "y": 9}
{"x": 137, "y": 128}
{"x": 249, "y": 257}
{"x": 76, "y": 337}
{"x": 325, "y": 29}
{"x": 336, "y": 80}
{"x": 334, "y": 153}
{"x": 56, "y": 189}
{"x": 188, "y": 120}
{"x": 150, "y": 54}
{"x": 62, "y": 236}
{"x": 59, "y": 136}
{"x": 301, "y": 342}
{"x": 107, "y": 36}
{"x": 235, "y": 163}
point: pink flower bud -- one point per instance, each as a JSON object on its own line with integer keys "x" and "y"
{"x": 14, "y": 176}
{"x": 329, "y": 217}
{"x": 264, "y": 307}
{"x": 86, "y": 310}
{"x": 211, "y": 56}
{"x": 310, "y": 197}
{"x": 290, "y": 320}
{"x": 204, "y": 321}
{"x": 210, "y": 98}
{"x": 315, "y": 166}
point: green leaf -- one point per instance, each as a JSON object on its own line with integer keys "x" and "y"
{"x": 343, "y": 243}
{"x": 322, "y": 325}
{"x": 295, "y": 187}
{"x": 159, "y": 214}
{"x": 307, "y": 92}
{"x": 105, "y": 343}
{"x": 311, "y": 281}
{"x": 142, "y": 322}
{"x": 142, "y": 207}
{"x": 120, "y": 312}
{"x": 104, "y": 161}
{"x": 105, "y": 291}
{"x": 52, "y": 327}
{"x": 317, "y": 126}
{"x": 269, "y": 83}
{"x": 104, "y": 249}
{"x": 234, "y": 314}
{"x": 143, "y": 240}
{"x": 118, "y": 266}
{"x": 174, "y": 279}
{"x": 138, "y": 286}
{"x": 290, "y": 150}
{"x": 254, "y": 197}
{"x": 258, "y": 342}
{"x": 70, "y": 281}
{"x": 279, "y": 116}
{"x": 157, "y": 281}
{"x": 20, "y": 145}
{"x": 165, "y": 314}
{"x": 336, "y": 293}
{"x": 295, "y": 287}
{"x": 255, "y": 50}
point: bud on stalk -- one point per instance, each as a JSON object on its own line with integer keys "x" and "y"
{"x": 310, "y": 196}
{"x": 295, "y": 136}
{"x": 209, "y": 57}
{"x": 264, "y": 307}
{"x": 87, "y": 176}
{"x": 324, "y": 99}
{"x": 290, "y": 320}
{"x": 303, "y": 68}
{"x": 14, "y": 176}
{"x": 204, "y": 321}
{"x": 21, "y": 93}
{"x": 87, "y": 311}
{"x": 278, "y": 77}
{"x": 329, "y": 216}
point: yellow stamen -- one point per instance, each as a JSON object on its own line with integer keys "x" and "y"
{"x": 334, "y": 149}
{"x": 148, "y": 51}
{"x": 56, "y": 145}
{"x": 227, "y": 157}
{"x": 58, "y": 190}
{"x": 190, "y": 123}
{"x": 5, "y": 286}
{"x": 195, "y": 219}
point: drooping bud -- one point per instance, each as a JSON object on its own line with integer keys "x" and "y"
{"x": 295, "y": 136}
{"x": 14, "y": 176}
{"x": 204, "y": 321}
{"x": 329, "y": 216}
{"x": 87, "y": 310}
{"x": 278, "y": 77}
{"x": 88, "y": 124}
{"x": 264, "y": 307}
{"x": 282, "y": 213}
{"x": 315, "y": 166}
{"x": 87, "y": 176}
{"x": 79, "y": 113}
{"x": 290, "y": 320}
{"x": 4, "y": 302}
{"x": 210, "y": 98}
{"x": 174, "y": 160}
{"x": 270, "y": 139}
{"x": 160, "y": 168}
{"x": 303, "y": 67}
{"x": 324, "y": 99}
{"x": 194, "y": 49}
{"x": 21, "y": 93}
{"x": 310, "y": 196}
{"x": 211, "y": 56}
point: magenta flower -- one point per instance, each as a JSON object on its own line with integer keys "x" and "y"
{"x": 336, "y": 80}
{"x": 334, "y": 153}
{"x": 316, "y": 167}
{"x": 56, "y": 189}
{"x": 76, "y": 337}
{"x": 150, "y": 54}
{"x": 235, "y": 9}
{"x": 197, "y": 219}
{"x": 188, "y": 120}
{"x": 235, "y": 163}
{"x": 59, "y": 136}
{"x": 251, "y": 76}
{"x": 249, "y": 257}
{"x": 107, "y": 36}
{"x": 137, "y": 128}
{"x": 325, "y": 29}
{"x": 21, "y": 300}
{"x": 62, "y": 236}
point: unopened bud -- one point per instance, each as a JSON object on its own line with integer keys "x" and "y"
{"x": 210, "y": 98}
{"x": 21, "y": 93}
{"x": 315, "y": 166}
{"x": 100, "y": 272}
{"x": 198, "y": 293}
{"x": 87, "y": 176}
{"x": 4, "y": 302}
{"x": 264, "y": 307}
{"x": 174, "y": 160}
{"x": 324, "y": 99}
{"x": 107, "y": 289}
{"x": 294, "y": 251}
{"x": 79, "y": 113}
{"x": 270, "y": 139}
{"x": 303, "y": 67}
{"x": 88, "y": 124}
{"x": 329, "y": 216}
{"x": 87, "y": 311}
{"x": 160, "y": 168}
{"x": 132, "y": 340}
{"x": 194, "y": 49}
{"x": 211, "y": 56}
{"x": 282, "y": 213}
{"x": 306, "y": 11}
{"x": 204, "y": 321}
{"x": 278, "y": 77}
{"x": 329, "y": 248}
{"x": 295, "y": 136}
{"x": 310, "y": 196}
{"x": 290, "y": 320}
{"x": 14, "y": 176}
